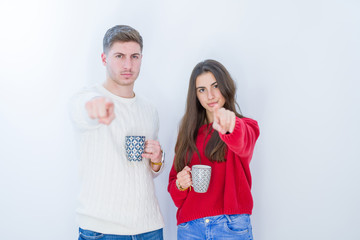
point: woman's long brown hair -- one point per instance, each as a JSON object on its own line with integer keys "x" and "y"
{"x": 195, "y": 116}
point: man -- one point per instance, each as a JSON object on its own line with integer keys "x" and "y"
{"x": 117, "y": 197}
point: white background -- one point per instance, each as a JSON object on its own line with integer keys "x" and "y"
{"x": 296, "y": 65}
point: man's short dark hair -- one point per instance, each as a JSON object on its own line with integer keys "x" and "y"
{"x": 121, "y": 33}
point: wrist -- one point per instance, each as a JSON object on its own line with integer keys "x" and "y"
{"x": 161, "y": 162}
{"x": 178, "y": 185}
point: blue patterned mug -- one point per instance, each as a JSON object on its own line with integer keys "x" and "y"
{"x": 134, "y": 146}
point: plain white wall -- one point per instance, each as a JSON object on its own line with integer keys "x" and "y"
{"x": 296, "y": 65}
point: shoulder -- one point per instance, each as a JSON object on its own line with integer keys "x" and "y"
{"x": 84, "y": 94}
{"x": 93, "y": 89}
{"x": 249, "y": 121}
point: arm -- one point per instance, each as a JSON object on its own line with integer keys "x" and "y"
{"x": 239, "y": 134}
{"x": 184, "y": 181}
{"x": 243, "y": 137}
{"x": 78, "y": 112}
{"x": 153, "y": 152}
{"x": 88, "y": 110}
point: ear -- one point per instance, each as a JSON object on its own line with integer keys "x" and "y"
{"x": 103, "y": 58}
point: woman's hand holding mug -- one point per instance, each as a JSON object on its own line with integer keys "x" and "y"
{"x": 184, "y": 180}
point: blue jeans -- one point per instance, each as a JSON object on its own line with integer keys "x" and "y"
{"x": 91, "y": 235}
{"x": 218, "y": 227}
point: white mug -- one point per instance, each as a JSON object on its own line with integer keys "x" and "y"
{"x": 201, "y": 175}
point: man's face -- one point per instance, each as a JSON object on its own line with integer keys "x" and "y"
{"x": 123, "y": 62}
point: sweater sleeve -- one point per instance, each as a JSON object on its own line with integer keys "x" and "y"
{"x": 177, "y": 195}
{"x": 242, "y": 140}
{"x": 78, "y": 113}
{"x": 155, "y": 174}
{"x": 156, "y": 138}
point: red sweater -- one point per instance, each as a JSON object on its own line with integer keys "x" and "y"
{"x": 229, "y": 191}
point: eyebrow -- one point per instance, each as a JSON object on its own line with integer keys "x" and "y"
{"x": 210, "y": 85}
{"x": 116, "y": 53}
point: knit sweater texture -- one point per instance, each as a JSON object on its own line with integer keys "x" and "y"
{"x": 117, "y": 196}
{"x": 229, "y": 190}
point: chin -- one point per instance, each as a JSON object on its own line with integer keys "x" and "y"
{"x": 127, "y": 81}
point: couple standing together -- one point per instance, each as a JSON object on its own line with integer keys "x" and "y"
{"x": 117, "y": 197}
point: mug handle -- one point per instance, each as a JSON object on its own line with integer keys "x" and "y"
{"x": 191, "y": 185}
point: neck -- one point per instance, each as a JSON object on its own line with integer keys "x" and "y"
{"x": 209, "y": 117}
{"x": 119, "y": 90}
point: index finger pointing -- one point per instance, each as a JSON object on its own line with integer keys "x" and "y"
{"x": 216, "y": 114}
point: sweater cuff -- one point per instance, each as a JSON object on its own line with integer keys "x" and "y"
{"x": 228, "y": 136}
{"x": 178, "y": 191}
{"x": 155, "y": 174}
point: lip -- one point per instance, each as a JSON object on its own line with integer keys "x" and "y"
{"x": 126, "y": 74}
{"x": 213, "y": 104}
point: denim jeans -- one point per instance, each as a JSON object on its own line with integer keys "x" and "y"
{"x": 218, "y": 227}
{"x": 91, "y": 235}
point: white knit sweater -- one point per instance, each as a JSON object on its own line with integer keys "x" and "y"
{"x": 117, "y": 196}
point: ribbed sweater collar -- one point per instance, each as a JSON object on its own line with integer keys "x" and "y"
{"x": 115, "y": 97}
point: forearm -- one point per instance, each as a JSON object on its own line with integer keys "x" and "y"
{"x": 242, "y": 140}
{"x": 178, "y": 196}
{"x": 158, "y": 165}
{"x": 155, "y": 168}
{"x": 78, "y": 112}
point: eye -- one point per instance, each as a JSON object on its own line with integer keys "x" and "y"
{"x": 215, "y": 86}
{"x": 201, "y": 90}
{"x": 135, "y": 57}
{"x": 118, "y": 56}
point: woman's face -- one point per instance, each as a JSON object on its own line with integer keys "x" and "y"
{"x": 209, "y": 94}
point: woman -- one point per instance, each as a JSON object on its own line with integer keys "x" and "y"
{"x": 213, "y": 133}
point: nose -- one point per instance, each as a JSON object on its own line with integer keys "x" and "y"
{"x": 127, "y": 64}
{"x": 210, "y": 94}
